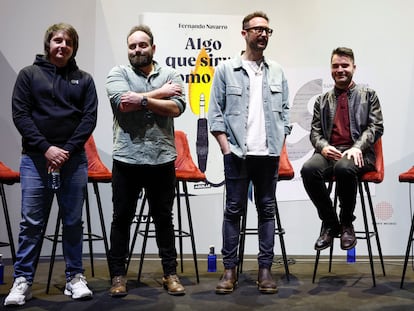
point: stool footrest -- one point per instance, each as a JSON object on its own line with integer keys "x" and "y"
{"x": 254, "y": 231}
{"x": 151, "y": 233}
{"x": 361, "y": 235}
{"x": 89, "y": 237}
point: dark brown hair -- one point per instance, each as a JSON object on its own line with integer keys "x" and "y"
{"x": 247, "y": 18}
{"x": 343, "y": 51}
{"x": 68, "y": 29}
{"x": 142, "y": 28}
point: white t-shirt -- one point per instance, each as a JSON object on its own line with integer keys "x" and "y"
{"x": 256, "y": 130}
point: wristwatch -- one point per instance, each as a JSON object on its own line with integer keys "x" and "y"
{"x": 144, "y": 102}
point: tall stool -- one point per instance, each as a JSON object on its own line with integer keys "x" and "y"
{"x": 185, "y": 171}
{"x": 375, "y": 176}
{"x": 97, "y": 173}
{"x": 286, "y": 172}
{"x": 8, "y": 177}
{"x": 409, "y": 178}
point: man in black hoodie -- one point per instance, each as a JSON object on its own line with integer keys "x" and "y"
{"x": 54, "y": 107}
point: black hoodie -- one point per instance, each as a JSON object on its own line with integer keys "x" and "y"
{"x": 54, "y": 106}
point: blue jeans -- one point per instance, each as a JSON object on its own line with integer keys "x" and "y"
{"x": 262, "y": 171}
{"x": 37, "y": 200}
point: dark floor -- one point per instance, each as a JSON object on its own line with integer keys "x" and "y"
{"x": 347, "y": 287}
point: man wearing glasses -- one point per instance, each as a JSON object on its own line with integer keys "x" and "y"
{"x": 249, "y": 116}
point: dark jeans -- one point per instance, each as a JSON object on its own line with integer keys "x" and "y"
{"x": 159, "y": 184}
{"x": 262, "y": 171}
{"x": 316, "y": 171}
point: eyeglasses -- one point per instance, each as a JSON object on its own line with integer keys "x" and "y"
{"x": 259, "y": 30}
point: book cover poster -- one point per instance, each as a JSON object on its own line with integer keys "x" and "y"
{"x": 194, "y": 45}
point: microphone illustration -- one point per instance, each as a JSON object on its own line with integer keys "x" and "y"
{"x": 202, "y": 136}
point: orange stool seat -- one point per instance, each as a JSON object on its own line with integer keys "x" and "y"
{"x": 8, "y": 177}
{"x": 407, "y": 176}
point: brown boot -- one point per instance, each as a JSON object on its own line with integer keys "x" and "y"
{"x": 228, "y": 282}
{"x": 118, "y": 288}
{"x": 173, "y": 285}
{"x": 265, "y": 282}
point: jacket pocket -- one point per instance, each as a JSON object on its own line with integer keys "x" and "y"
{"x": 234, "y": 100}
{"x": 276, "y": 97}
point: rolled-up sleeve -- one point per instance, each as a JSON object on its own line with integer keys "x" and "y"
{"x": 116, "y": 85}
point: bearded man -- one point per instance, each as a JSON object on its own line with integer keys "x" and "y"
{"x": 145, "y": 98}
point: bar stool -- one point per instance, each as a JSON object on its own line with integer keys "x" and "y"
{"x": 97, "y": 173}
{"x": 8, "y": 177}
{"x": 409, "y": 178}
{"x": 286, "y": 172}
{"x": 375, "y": 176}
{"x": 185, "y": 171}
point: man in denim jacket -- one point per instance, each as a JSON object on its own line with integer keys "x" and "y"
{"x": 347, "y": 121}
{"x": 248, "y": 115}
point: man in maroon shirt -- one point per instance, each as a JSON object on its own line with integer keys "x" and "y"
{"x": 346, "y": 123}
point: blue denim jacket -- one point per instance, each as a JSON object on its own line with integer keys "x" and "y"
{"x": 229, "y": 105}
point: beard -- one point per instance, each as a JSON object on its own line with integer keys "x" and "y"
{"x": 138, "y": 61}
{"x": 258, "y": 45}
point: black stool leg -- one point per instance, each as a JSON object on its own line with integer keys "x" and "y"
{"x": 179, "y": 232}
{"x": 409, "y": 243}
{"x": 89, "y": 227}
{"x": 144, "y": 245}
{"x": 53, "y": 255}
{"x": 331, "y": 255}
{"x": 367, "y": 234}
{"x": 190, "y": 225}
{"x": 8, "y": 225}
{"x": 374, "y": 225}
{"x": 281, "y": 232}
{"x": 136, "y": 231}
{"x": 315, "y": 268}
{"x": 101, "y": 217}
{"x": 407, "y": 253}
{"x": 318, "y": 252}
{"x": 180, "y": 229}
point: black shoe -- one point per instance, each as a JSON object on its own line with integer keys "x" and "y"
{"x": 325, "y": 239}
{"x": 348, "y": 238}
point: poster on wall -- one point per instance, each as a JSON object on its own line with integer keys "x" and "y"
{"x": 194, "y": 45}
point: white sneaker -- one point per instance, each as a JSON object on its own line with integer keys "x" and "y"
{"x": 78, "y": 288}
{"x": 19, "y": 293}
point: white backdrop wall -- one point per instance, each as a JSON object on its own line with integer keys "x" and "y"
{"x": 305, "y": 34}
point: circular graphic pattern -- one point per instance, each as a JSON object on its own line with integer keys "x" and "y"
{"x": 384, "y": 210}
